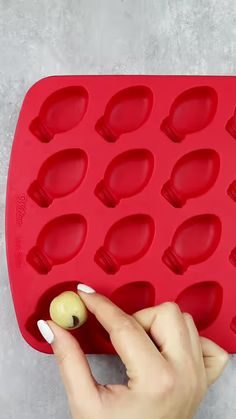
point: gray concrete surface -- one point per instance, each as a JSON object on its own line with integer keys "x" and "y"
{"x": 44, "y": 37}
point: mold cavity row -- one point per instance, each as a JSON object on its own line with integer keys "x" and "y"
{"x": 127, "y": 175}
{"x": 60, "y": 240}
{"x": 194, "y": 174}
{"x": 65, "y": 108}
{"x": 63, "y": 172}
{"x": 203, "y": 300}
{"x": 193, "y": 110}
{"x": 125, "y": 112}
{"x": 127, "y": 241}
{"x": 131, "y": 297}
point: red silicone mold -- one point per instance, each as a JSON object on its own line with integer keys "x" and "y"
{"x": 127, "y": 184}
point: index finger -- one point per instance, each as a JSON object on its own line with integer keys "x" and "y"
{"x": 137, "y": 351}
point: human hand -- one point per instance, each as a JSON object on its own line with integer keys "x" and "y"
{"x": 169, "y": 372}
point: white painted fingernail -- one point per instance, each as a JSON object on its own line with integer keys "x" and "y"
{"x": 45, "y": 331}
{"x": 85, "y": 288}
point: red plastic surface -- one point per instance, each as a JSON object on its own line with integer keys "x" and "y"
{"x": 127, "y": 184}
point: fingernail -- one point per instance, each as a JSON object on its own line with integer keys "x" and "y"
{"x": 45, "y": 331}
{"x": 85, "y": 288}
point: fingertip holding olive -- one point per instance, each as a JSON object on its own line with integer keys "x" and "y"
{"x": 68, "y": 310}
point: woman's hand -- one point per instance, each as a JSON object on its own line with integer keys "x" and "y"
{"x": 169, "y": 373}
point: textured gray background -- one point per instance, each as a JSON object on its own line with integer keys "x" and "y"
{"x": 44, "y": 37}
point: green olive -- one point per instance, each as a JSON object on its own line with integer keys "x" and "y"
{"x": 68, "y": 310}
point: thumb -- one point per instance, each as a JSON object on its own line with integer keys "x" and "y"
{"x": 72, "y": 363}
{"x": 215, "y": 359}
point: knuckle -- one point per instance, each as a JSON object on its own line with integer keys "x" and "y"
{"x": 169, "y": 382}
{"x": 60, "y": 358}
{"x": 223, "y": 359}
{"x": 171, "y": 307}
{"x": 125, "y": 324}
{"x": 188, "y": 317}
{"x": 166, "y": 384}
